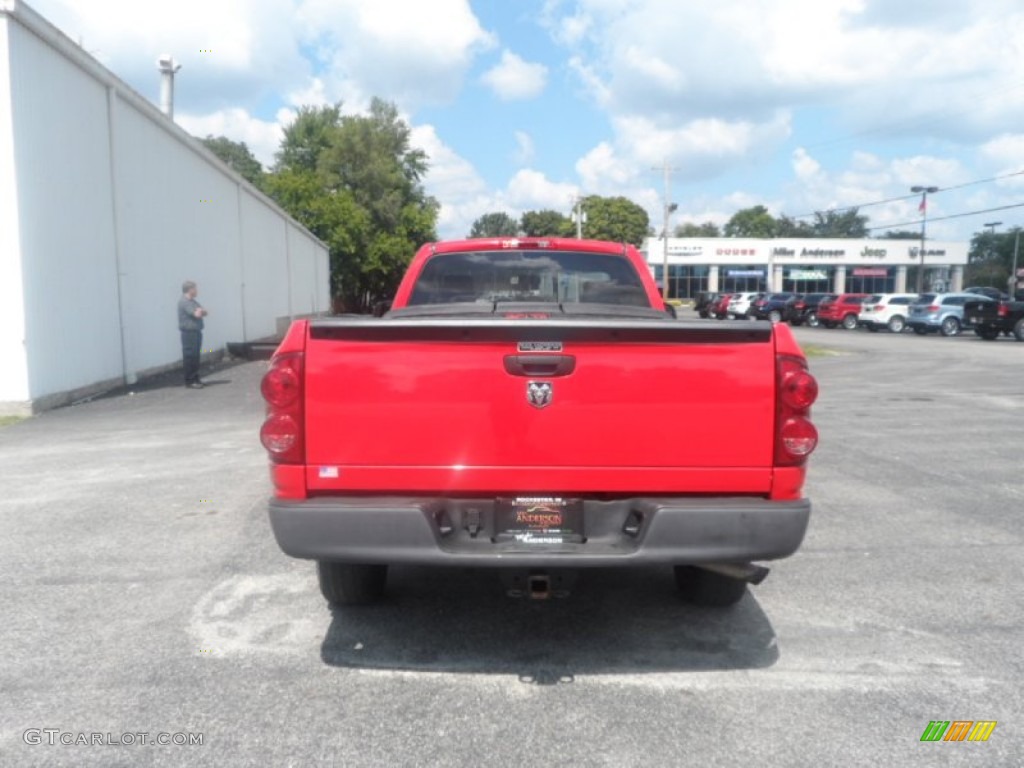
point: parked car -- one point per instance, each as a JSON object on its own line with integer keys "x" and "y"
{"x": 984, "y": 290}
{"x": 739, "y": 304}
{"x": 942, "y": 312}
{"x": 886, "y": 310}
{"x": 805, "y": 308}
{"x": 843, "y": 310}
{"x": 772, "y": 306}
{"x": 720, "y": 309}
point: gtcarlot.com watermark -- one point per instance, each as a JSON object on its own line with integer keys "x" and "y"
{"x": 55, "y": 736}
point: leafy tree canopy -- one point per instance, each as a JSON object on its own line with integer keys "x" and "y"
{"x": 751, "y": 222}
{"x": 614, "y": 218}
{"x": 237, "y": 155}
{"x": 495, "y": 224}
{"x": 689, "y": 229}
{"x": 546, "y": 223}
{"x": 354, "y": 181}
{"x": 848, "y": 223}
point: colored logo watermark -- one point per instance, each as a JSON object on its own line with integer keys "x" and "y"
{"x": 958, "y": 730}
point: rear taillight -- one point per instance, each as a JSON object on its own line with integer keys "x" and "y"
{"x": 282, "y": 432}
{"x": 1003, "y": 310}
{"x": 879, "y": 307}
{"x": 796, "y": 391}
{"x": 934, "y": 308}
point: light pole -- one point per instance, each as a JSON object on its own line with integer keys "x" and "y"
{"x": 923, "y": 208}
{"x": 669, "y": 207}
{"x": 1013, "y": 269}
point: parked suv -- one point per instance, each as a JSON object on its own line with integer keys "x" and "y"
{"x": 805, "y": 308}
{"x": 843, "y": 310}
{"x": 942, "y": 312}
{"x": 720, "y": 307}
{"x": 886, "y": 310}
{"x": 739, "y": 304}
{"x": 772, "y": 306}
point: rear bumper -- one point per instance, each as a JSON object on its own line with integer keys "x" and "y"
{"x": 439, "y": 532}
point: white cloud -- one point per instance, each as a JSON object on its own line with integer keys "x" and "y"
{"x": 262, "y": 137}
{"x": 229, "y": 50}
{"x": 531, "y": 190}
{"x": 525, "y": 149}
{"x": 409, "y": 52}
{"x": 514, "y": 79}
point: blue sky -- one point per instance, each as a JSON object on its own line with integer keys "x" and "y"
{"x": 798, "y": 105}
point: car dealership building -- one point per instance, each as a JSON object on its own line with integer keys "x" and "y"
{"x": 732, "y": 265}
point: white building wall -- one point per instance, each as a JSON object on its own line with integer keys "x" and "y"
{"x": 265, "y": 268}
{"x": 62, "y": 171}
{"x": 14, "y": 381}
{"x": 107, "y": 207}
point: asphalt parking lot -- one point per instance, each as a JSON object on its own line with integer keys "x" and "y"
{"x": 143, "y": 594}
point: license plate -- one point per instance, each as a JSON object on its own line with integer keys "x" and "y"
{"x": 539, "y": 520}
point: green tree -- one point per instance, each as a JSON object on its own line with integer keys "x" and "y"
{"x": 307, "y": 137}
{"x": 355, "y": 182}
{"x": 789, "y": 227}
{"x": 751, "y": 222}
{"x": 848, "y": 223}
{"x": 614, "y": 218}
{"x": 237, "y": 155}
{"x": 990, "y": 258}
{"x": 689, "y": 229}
{"x": 495, "y": 224}
{"x": 546, "y": 223}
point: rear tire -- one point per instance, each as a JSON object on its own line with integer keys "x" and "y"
{"x": 348, "y": 584}
{"x": 705, "y": 588}
{"x": 1018, "y": 330}
{"x": 812, "y": 320}
{"x": 850, "y": 322}
{"x": 775, "y": 316}
{"x": 896, "y": 324}
{"x": 950, "y": 327}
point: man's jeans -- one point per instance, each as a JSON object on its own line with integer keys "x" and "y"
{"x": 191, "y": 343}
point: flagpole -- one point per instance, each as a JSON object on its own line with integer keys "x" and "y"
{"x": 923, "y": 208}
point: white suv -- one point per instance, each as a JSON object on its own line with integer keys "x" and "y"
{"x": 739, "y": 304}
{"x": 885, "y": 310}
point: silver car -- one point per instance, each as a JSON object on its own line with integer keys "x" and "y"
{"x": 942, "y": 312}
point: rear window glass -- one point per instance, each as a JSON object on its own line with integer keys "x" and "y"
{"x": 531, "y": 276}
{"x": 925, "y": 298}
{"x": 873, "y": 299}
{"x": 901, "y": 299}
{"x": 853, "y": 299}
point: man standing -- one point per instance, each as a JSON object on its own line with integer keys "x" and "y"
{"x": 190, "y": 323}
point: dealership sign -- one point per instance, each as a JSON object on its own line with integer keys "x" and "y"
{"x": 808, "y": 274}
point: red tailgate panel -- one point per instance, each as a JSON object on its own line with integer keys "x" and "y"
{"x": 421, "y": 409}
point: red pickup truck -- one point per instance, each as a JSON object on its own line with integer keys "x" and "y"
{"x": 533, "y": 405}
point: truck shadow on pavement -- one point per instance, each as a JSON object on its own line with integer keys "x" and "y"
{"x": 615, "y": 621}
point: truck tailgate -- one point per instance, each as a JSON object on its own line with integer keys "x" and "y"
{"x": 620, "y": 406}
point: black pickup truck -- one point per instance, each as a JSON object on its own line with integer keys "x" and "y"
{"x": 990, "y": 318}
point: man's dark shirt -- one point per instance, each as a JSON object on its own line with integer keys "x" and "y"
{"x": 187, "y": 320}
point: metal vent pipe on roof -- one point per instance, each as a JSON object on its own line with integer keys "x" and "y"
{"x": 167, "y": 66}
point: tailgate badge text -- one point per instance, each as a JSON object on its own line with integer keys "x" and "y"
{"x": 538, "y": 393}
